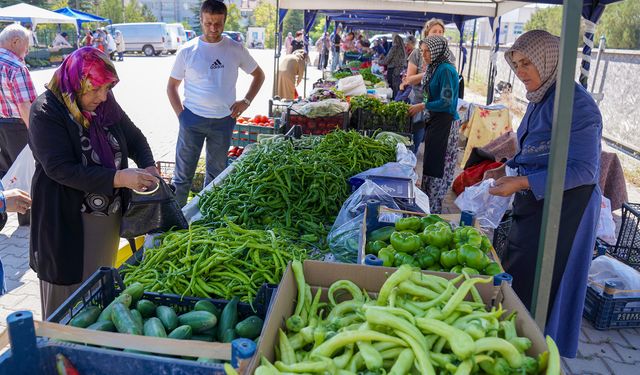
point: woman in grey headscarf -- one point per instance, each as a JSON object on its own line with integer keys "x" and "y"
{"x": 440, "y": 98}
{"x": 396, "y": 61}
{"x": 534, "y": 59}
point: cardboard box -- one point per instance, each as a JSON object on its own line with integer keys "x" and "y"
{"x": 372, "y": 221}
{"x": 322, "y": 275}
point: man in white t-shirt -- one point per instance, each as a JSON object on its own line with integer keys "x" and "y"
{"x": 209, "y": 67}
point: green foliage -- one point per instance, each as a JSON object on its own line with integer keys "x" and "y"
{"x": 132, "y": 12}
{"x": 620, "y": 24}
{"x": 58, "y": 4}
{"x": 233, "y": 19}
{"x": 264, "y": 16}
{"x": 549, "y": 19}
{"x": 293, "y": 21}
{"x": 318, "y": 30}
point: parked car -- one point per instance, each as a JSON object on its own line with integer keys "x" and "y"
{"x": 190, "y": 34}
{"x": 234, "y": 35}
{"x": 149, "y": 38}
{"x": 177, "y": 37}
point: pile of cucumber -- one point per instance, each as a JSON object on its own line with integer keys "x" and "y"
{"x": 131, "y": 314}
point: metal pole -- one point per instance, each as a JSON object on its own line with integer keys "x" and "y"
{"x": 276, "y": 52}
{"x": 473, "y": 42}
{"x": 494, "y": 54}
{"x": 562, "y": 112}
{"x": 601, "y": 47}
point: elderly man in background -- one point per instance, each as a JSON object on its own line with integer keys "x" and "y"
{"x": 16, "y": 94}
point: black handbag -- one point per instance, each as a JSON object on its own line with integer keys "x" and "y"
{"x": 155, "y": 211}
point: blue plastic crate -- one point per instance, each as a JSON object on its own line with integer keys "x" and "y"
{"x": 244, "y": 134}
{"x": 606, "y": 311}
{"x": 31, "y": 356}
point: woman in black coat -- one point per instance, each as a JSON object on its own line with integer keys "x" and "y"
{"x": 81, "y": 140}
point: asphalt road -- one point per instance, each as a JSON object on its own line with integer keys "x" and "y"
{"x": 141, "y": 92}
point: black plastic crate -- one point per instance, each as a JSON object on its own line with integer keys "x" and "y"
{"x": 627, "y": 247}
{"x": 105, "y": 285}
{"x": 501, "y": 235}
{"x": 606, "y": 311}
{"x": 363, "y": 120}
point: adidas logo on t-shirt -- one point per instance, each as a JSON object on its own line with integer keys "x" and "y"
{"x": 216, "y": 65}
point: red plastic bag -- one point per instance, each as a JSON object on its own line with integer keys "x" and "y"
{"x": 473, "y": 175}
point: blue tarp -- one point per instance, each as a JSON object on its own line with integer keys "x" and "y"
{"x": 80, "y": 16}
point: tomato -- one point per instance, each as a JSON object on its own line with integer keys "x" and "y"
{"x": 239, "y": 151}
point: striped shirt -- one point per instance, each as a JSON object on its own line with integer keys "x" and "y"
{"x": 15, "y": 84}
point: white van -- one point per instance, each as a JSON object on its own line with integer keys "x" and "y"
{"x": 149, "y": 38}
{"x": 177, "y": 36}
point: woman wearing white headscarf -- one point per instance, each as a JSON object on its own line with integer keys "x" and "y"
{"x": 440, "y": 98}
{"x": 534, "y": 59}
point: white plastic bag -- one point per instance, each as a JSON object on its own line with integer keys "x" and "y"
{"x": 21, "y": 172}
{"x": 352, "y": 86}
{"x": 489, "y": 208}
{"x": 605, "y": 268}
{"x": 606, "y": 226}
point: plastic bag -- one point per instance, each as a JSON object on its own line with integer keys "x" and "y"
{"x": 606, "y": 226}
{"x": 21, "y": 172}
{"x": 489, "y": 208}
{"x": 346, "y": 232}
{"x": 352, "y": 86}
{"x": 605, "y": 268}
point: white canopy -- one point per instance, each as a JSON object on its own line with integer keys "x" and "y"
{"x": 484, "y": 8}
{"x": 28, "y": 13}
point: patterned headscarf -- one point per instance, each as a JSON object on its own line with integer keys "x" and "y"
{"x": 543, "y": 49}
{"x": 83, "y": 70}
{"x": 440, "y": 54}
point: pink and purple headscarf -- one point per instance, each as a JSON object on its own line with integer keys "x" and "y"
{"x": 86, "y": 69}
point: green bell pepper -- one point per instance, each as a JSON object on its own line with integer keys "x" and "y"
{"x": 492, "y": 269}
{"x": 424, "y": 259}
{"x": 467, "y": 235}
{"x": 409, "y": 223}
{"x": 471, "y": 256}
{"x": 387, "y": 256}
{"x": 374, "y": 246}
{"x": 431, "y": 219}
{"x": 448, "y": 259}
{"x": 401, "y": 258}
{"x": 485, "y": 245}
{"x": 405, "y": 242}
{"x": 438, "y": 234}
{"x": 435, "y": 252}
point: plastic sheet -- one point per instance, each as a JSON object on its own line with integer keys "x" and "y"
{"x": 489, "y": 208}
{"x": 607, "y": 269}
{"x": 344, "y": 237}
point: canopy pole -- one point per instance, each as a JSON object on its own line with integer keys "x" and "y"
{"x": 601, "y": 47}
{"x": 589, "y": 32}
{"x": 473, "y": 43}
{"x": 562, "y": 114}
{"x": 494, "y": 58}
{"x": 276, "y": 52}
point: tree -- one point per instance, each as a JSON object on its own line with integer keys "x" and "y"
{"x": 111, "y": 9}
{"x": 549, "y": 19}
{"x": 233, "y": 18}
{"x": 147, "y": 14}
{"x": 293, "y": 21}
{"x": 620, "y": 24}
{"x": 264, "y": 15}
{"x": 58, "y": 4}
{"x": 318, "y": 30}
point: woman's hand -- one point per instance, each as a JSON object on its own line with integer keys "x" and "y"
{"x": 135, "y": 179}
{"x": 505, "y": 186}
{"x": 17, "y": 201}
{"x": 415, "y": 109}
{"x": 495, "y": 173}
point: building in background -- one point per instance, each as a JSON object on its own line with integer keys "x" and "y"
{"x": 187, "y": 10}
{"x": 511, "y": 26}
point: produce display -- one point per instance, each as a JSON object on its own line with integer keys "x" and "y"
{"x": 226, "y": 261}
{"x": 430, "y": 243}
{"x": 417, "y": 324}
{"x": 368, "y": 76}
{"x": 131, "y": 314}
{"x": 235, "y": 151}
{"x": 259, "y": 120}
{"x": 298, "y": 186}
{"x": 369, "y": 113}
{"x": 342, "y": 74}
{"x": 317, "y": 126}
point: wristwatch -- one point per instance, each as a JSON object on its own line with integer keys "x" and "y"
{"x": 247, "y": 101}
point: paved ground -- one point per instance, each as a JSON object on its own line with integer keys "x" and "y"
{"x": 600, "y": 352}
